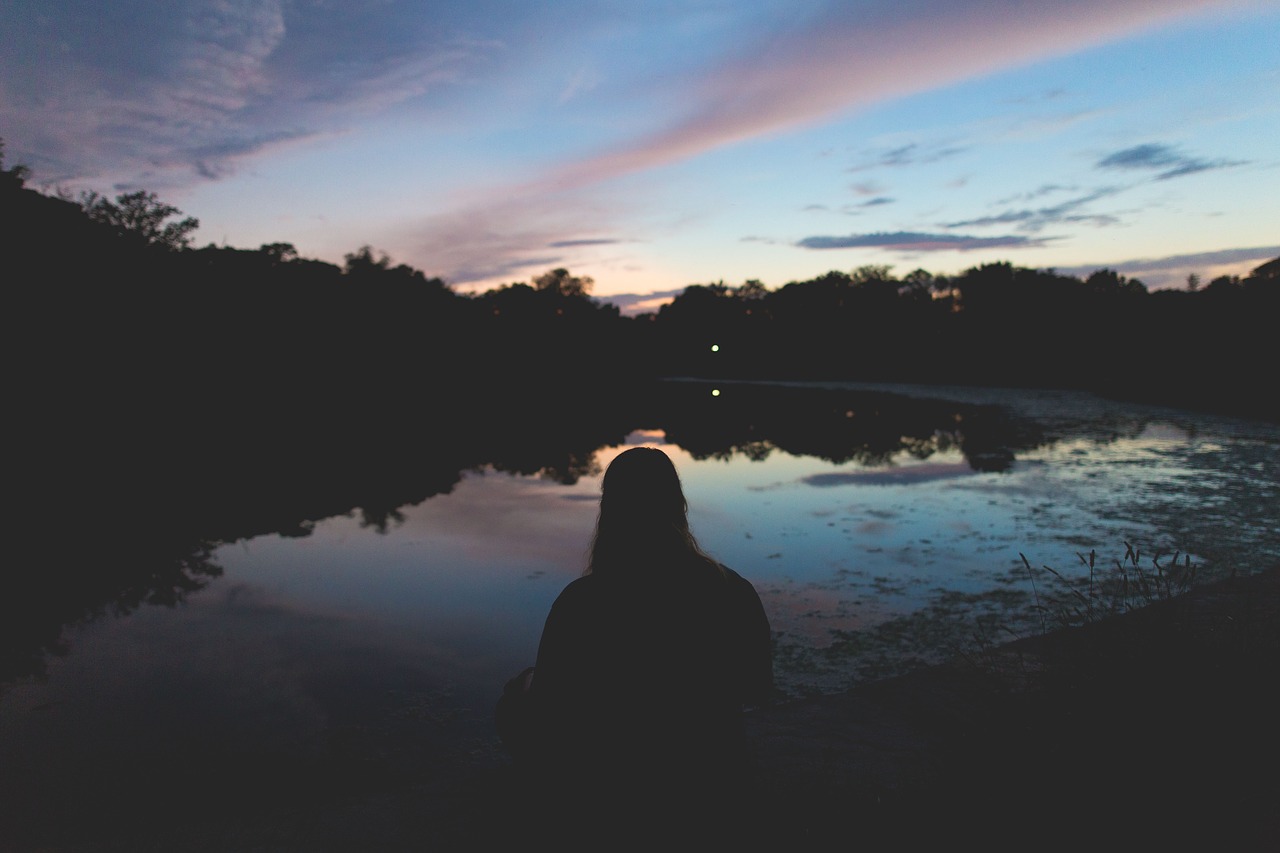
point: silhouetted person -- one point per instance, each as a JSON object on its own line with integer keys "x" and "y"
{"x": 631, "y": 719}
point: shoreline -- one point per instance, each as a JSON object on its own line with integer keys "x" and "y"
{"x": 1157, "y": 723}
{"x": 1155, "y": 726}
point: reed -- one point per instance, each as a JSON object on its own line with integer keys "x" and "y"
{"x": 1064, "y": 602}
{"x": 1061, "y": 601}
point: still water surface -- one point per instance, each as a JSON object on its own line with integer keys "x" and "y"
{"x": 865, "y": 568}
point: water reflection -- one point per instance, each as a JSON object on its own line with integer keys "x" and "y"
{"x": 839, "y": 425}
{"x": 76, "y": 582}
{"x": 144, "y": 521}
{"x": 145, "y": 526}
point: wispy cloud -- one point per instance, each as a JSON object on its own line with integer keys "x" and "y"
{"x": 862, "y": 207}
{"x": 911, "y": 154}
{"x": 475, "y": 247}
{"x": 1172, "y": 270}
{"x": 567, "y": 244}
{"x": 1166, "y": 160}
{"x": 1254, "y": 254}
{"x": 846, "y": 57}
{"x": 216, "y": 73}
{"x": 211, "y": 83}
{"x": 639, "y": 303}
{"x": 1260, "y": 254}
{"x": 1038, "y": 192}
{"x": 918, "y": 242}
{"x": 850, "y": 56}
{"x": 581, "y": 81}
{"x": 1035, "y": 220}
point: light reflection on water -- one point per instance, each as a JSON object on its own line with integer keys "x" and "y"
{"x": 863, "y": 569}
{"x": 832, "y": 548}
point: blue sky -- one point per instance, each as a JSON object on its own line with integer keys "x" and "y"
{"x": 654, "y": 145}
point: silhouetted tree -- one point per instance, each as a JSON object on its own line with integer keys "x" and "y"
{"x": 1223, "y": 283}
{"x": 917, "y": 286}
{"x": 871, "y": 273}
{"x": 874, "y": 288}
{"x": 362, "y": 261}
{"x": 986, "y": 288}
{"x": 14, "y": 178}
{"x": 751, "y": 290}
{"x": 1108, "y": 282}
{"x": 1270, "y": 271}
{"x": 559, "y": 281}
{"x": 279, "y": 252}
{"x": 143, "y": 215}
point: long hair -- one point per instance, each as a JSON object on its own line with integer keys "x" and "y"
{"x": 643, "y": 526}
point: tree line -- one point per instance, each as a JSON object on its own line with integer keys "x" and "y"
{"x": 120, "y": 302}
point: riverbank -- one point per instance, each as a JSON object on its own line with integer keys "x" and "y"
{"x": 1155, "y": 726}
{"x": 1147, "y": 728}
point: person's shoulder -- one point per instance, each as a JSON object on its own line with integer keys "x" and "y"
{"x": 577, "y": 589}
{"x": 736, "y": 584}
{"x": 734, "y": 578}
{"x": 741, "y": 590}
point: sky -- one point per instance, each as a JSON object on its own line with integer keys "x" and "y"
{"x": 655, "y": 144}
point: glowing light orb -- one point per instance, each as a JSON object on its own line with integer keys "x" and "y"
{"x": 715, "y": 348}
{"x": 715, "y": 392}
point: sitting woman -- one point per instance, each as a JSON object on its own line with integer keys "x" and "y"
{"x": 646, "y": 663}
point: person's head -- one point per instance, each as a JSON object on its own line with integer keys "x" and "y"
{"x": 643, "y": 512}
{"x": 641, "y": 490}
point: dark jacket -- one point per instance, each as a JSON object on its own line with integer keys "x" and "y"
{"x": 639, "y": 686}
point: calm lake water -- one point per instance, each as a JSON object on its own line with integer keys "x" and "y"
{"x": 360, "y": 638}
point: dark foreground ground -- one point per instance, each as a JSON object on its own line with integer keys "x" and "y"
{"x": 1152, "y": 728}
{"x": 1158, "y": 726}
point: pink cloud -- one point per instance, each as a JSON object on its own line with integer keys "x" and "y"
{"x": 844, "y": 59}
{"x": 852, "y": 57}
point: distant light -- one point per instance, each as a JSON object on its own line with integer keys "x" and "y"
{"x": 715, "y": 392}
{"x": 715, "y": 348}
